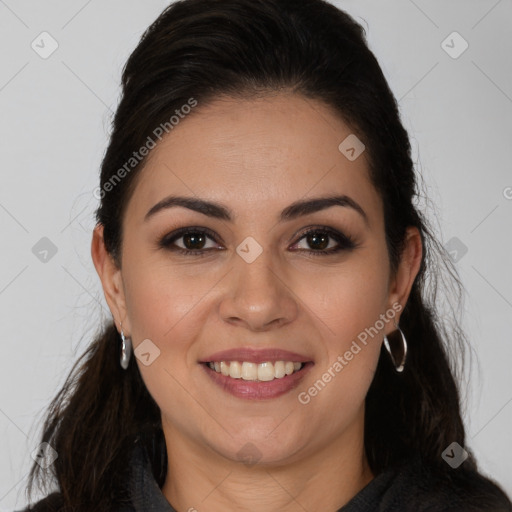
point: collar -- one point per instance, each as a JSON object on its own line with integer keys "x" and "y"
{"x": 145, "y": 492}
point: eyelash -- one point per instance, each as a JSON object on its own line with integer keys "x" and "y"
{"x": 345, "y": 242}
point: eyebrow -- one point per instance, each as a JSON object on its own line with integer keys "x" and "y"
{"x": 295, "y": 210}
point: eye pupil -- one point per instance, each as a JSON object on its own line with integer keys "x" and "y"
{"x": 192, "y": 240}
{"x": 318, "y": 241}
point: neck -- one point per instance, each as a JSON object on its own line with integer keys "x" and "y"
{"x": 325, "y": 479}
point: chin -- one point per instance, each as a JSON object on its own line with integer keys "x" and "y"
{"x": 262, "y": 449}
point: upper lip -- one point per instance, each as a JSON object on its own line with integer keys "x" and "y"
{"x": 255, "y": 355}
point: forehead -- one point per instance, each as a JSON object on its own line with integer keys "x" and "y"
{"x": 249, "y": 153}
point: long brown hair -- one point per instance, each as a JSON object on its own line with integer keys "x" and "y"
{"x": 201, "y": 49}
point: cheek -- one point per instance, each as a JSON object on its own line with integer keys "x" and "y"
{"x": 350, "y": 310}
{"x": 160, "y": 298}
{"x": 347, "y": 299}
{"x": 349, "y": 305}
{"x": 165, "y": 306}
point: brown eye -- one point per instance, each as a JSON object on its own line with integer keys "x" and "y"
{"x": 324, "y": 242}
{"x": 318, "y": 241}
{"x": 192, "y": 241}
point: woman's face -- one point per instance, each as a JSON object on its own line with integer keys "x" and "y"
{"x": 256, "y": 281}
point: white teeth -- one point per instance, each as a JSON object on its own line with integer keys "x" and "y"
{"x": 279, "y": 369}
{"x": 249, "y": 371}
{"x": 224, "y": 368}
{"x": 235, "y": 370}
{"x": 266, "y": 371}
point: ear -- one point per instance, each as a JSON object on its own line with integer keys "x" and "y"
{"x": 111, "y": 279}
{"x": 409, "y": 266}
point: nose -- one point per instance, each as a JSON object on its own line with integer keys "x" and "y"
{"x": 258, "y": 296}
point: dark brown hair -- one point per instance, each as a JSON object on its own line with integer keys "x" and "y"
{"x": 202, "y": 49}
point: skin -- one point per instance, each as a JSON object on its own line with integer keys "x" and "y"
{"x": 256, "y": 157}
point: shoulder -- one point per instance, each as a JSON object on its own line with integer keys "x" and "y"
{"x": 54, "y": 503}
{"x": 450, "y": 490}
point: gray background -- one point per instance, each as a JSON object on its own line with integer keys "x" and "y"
{"x": 54, "y": 123}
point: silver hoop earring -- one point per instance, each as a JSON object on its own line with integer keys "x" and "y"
{"x": 126, "y": 350}
{"x": 398, "y": 367}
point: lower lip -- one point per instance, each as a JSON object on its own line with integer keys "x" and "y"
{"x": 258, "y": 390}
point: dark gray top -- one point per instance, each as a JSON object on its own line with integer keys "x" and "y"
{"x": 411, "y": 487}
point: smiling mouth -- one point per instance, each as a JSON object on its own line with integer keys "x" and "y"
{"x": 263, "y": 372}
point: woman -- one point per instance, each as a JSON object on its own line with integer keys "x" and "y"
{"x": 273, "y": 346}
